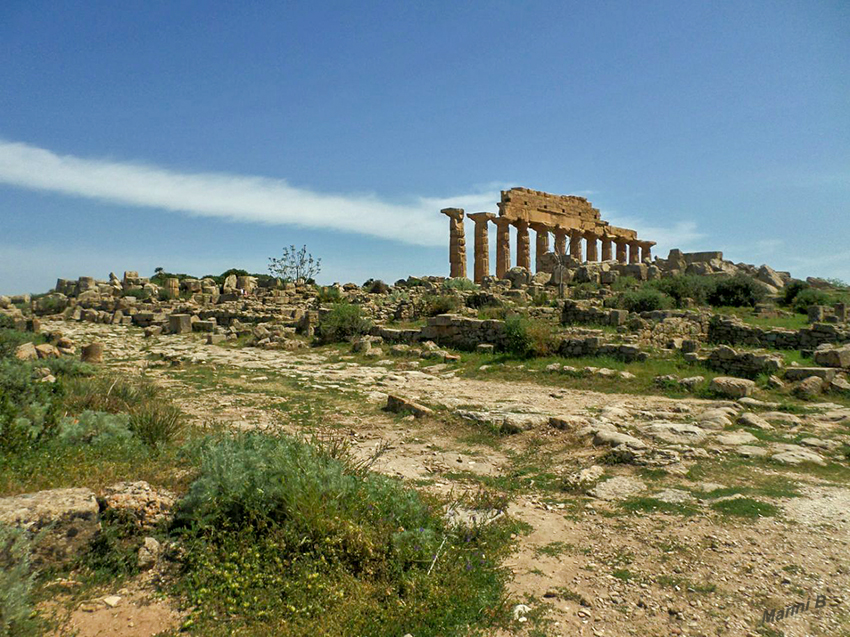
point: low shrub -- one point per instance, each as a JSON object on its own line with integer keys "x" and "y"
{"x": 584, "y": 290}
{"x": 95, "y": 428}
{"x": 480, "y": 300}
{"x": 376, "y": 286}
{"x": 112, "y": 394}
{"x": 808, "y": 297}
{"x": 342, "y": 323}
{"x": 327, "y": 294}
{"x": 790, "y": 292}
{"x": 736, "y": 291}
{"x": 434, "y": 304}
{"x": 646, "y": 299}
{"x": 625, "y": 283}
{"x": 686, "y": 286}
{"x": 143, "y": 294}
{"x": 525, "y": 338}
{"x": 279, "y": 530}
{"x": 460, "y": 283}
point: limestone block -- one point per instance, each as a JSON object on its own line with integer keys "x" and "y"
{"x": 63, "y": 521}
{"x": 732, "y": 387}
{"x": 801, "y": 373}
{"x": 92, "y": 353}
{"x": 398, "y": 404}
{"x": 179, "y": 323}
{"x": 26, "y": 352}
{"x": 809, "y": 387}
{"x": 833, "y": 357}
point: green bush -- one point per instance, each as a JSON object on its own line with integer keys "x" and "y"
{"x": 790, "y": 292}
{"x": 808, "y": 297}
{"x": 646, "y": 299}
{"x": 16, "y": 584}
{"x": 736, "y": 291}
{"x": 95, "y": 428}
{"x": 434, "y": 304}
{"x": 584, "y": 290}
{"x": 625, "y": 283}
{"x": 342, "y": 323}
{"x": 279, "y": 530}
{"x": 143, "y": 295}
{"x": 525, "y": 338}
{"x": 112, "y": 394}
{"x": 686, "y": 286}
{"x": 460, "y": 283}
{"x": 327, "y": 294}
{"x": 28, "y": 409}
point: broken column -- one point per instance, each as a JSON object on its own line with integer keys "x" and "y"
{"x": 481, "y": 263}
{"x": 503, "y": 246}
{"x": 646, "y": 250}
{"x": 523, "y": 246}
{"x": 457, "y": 242}
{"x": 542, "y": 245}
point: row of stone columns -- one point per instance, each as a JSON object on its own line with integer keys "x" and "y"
{"x": 627, "y": 250}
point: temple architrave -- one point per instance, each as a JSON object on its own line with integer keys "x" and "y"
{"x": 566, "y": 217}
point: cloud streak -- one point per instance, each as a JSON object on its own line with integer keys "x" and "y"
{"x": 262, "y": 200}
{"x": 231, "y": 197}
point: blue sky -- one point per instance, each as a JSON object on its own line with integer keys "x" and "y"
{"x": 199, "y": 136}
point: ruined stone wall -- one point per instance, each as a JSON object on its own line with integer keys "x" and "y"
{"x": 535, "y": 206}
{"x": 732, "y": 331}
{"x": 463, "y": 333}
{"x": 742, "y": 364}
{"x": 595, "y": 346}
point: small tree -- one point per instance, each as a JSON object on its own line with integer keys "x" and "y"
{"x": 295, "y": 265}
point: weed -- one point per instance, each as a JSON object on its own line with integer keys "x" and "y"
{"x": 653, "y": 505}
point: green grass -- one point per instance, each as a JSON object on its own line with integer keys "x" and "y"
{"x": 744, "y": 508}
{"x": 623, "y": 574}
{"x": 554, "y": 549}
{"x": 653, "y": 505}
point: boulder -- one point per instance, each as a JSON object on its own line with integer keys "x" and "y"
{"x": 732, "y": 387}
{"x": 833, "y": 356}
{"x": 26, "y": 352}
{"x": 615, "y": 439}
{"x": 618, "y": 488}
{"x": 518, "y": 276}
{"x": 46, "y": 350}
{"x": 62, "y": 521}
{"x": 749, "y": 419}
{"x": 179, "y": 323}
{"x": 92, "y": 353}
{"x": 809, "y": 387}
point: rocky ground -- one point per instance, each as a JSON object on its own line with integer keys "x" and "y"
{"x": 644, "y": 514}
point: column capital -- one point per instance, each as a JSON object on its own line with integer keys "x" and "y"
{"x": 454, "y": 213}
{"x": 481, "y": 217}
{"x": 503, "y": 222}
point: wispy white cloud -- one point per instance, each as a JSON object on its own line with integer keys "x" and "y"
{"x": 233, "y": 197}
{"x": 271, "y": 201}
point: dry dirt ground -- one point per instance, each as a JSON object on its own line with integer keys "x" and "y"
{"x": 708, "y": 526}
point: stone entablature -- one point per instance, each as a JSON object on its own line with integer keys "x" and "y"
{"x": 567, "y": 217}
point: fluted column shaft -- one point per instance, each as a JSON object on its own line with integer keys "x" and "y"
{"x": 481, "y": 267}
{"x": 560, "y": 240}
{"x": 606, "y": 248}
{"x": 523, "y": 245}
{"x": 575, "y": 244}
{"x": 503, "y": 246}
{"x": 542, "y": 244}
{"x": 634, "y": 257}
{"x": 591, "y": 237}
{"x": 621, "y": 250}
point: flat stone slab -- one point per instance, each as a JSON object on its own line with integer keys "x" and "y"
{"x": 798, "y": 457}
{"x": 749, "y": 419}
{"x": 749, "y": 451}
{"x": 732, "y": 387}
{"x": 615, "y": 439}
{"x": 674, "y": 496}
{"x": 736, "y": 438}
{"x": 618, "y": 488}
{"x": 69, "y": 519}
{"x": 675, "y": 432}
{"x": 802, "y": 373}
{"x": 782, "y": 418}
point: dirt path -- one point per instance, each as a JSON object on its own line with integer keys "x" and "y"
{"x": 663, "y": 543}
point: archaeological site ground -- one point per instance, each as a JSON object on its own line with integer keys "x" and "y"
{"x": 602, "y": 442}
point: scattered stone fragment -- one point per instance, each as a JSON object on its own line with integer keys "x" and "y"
{"x": 148, "y": 554}
{"x": 736, "y": 438}
{"x": 797, "y": 457}
{"x": 399, "y": 405}
{"x": 749, "y": 419}
{"x": 749, "y": 451}
{"x": 675, "y": 432}
{"x": 26, "y": 352}
{"x": 615, "y": 438}
{"x": 674, "y": 496}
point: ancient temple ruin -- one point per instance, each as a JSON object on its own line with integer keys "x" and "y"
{"x": 564, "y": 216}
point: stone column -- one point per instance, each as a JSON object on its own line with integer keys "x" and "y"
{"x": 523, "y": 245}
{"x": 606, "y": 247}
{"x": 457, "y": 242}
{"x": 591, "y": 237}
{"x": 542, "y": 245}
{"x": 621, "y": 250}
{"x": 560, "y": 240}
{"x": 646, "y": 250}
{"x": 634, "y": 257}
{"x": 482, "y": 247}
{"x": 575, "y": 244}
{"x": 503, "y": 246}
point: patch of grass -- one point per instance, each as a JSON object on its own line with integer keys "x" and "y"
{"x": 554, "y": 549}
{"x": 16, "y": 585}
{"x": 653, "y": 505}
{"x": 623, "y": 574}
{"x": 744, "y": 508}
